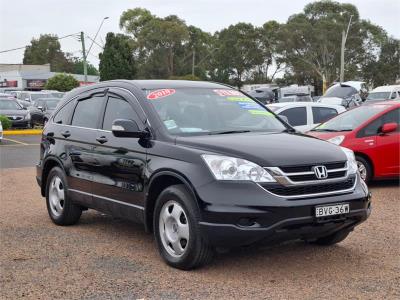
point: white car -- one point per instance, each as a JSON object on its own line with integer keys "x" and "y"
{"x": 381, "y": 93}
{"x": 304, "y": 116}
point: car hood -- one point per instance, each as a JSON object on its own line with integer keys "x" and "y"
{"x": 268, "y": 149}
{"x": 15, "y": 112}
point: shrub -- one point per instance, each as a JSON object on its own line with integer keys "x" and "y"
{"x": 62, "y": 82}
{"x": 5, "y": 122}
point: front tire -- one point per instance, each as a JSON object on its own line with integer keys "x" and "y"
{"x": 59, "y": 206}
{"x": 177, "y": 232}
{"x": 364, "y": 168}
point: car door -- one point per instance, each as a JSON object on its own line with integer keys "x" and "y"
{"x": 383, "y": 149}
{"x": 297, "y": 117}
{"x": 119, "y": 179}
{"x": 388, "y": 145}
{"x": 77, "y": 138}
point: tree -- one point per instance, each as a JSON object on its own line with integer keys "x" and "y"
{"x": 62, "y": 82}
{"x": 47, "y": 50}
{"x": 117, "y": 61}
{"x": 78, "y": 67}
{"x": 238, "y": 52}
{"x": 312, "y": 40}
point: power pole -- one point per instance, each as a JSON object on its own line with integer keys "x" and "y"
{"x": 193, "y": 61}
{"x": 344, "y": 38}
{"x": 84, "y": 56}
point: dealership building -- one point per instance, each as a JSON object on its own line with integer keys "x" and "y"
{"x": 32, "y": 77}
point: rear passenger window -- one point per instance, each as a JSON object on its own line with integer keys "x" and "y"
{"x": 297, "y": 116}
{"x": 87, "y": 112}
{"x": 118, "y": 108}
{"x": 64, "y": 114}
{"x": 322, "y": 114}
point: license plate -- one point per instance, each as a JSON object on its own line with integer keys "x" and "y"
{"x": 332, "y": 210}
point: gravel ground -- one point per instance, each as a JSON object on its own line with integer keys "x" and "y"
{"x": 105, "y": 258}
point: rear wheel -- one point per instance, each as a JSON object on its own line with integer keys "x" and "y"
{"x": 176, "y": 230}
{"x": 364, "y": 168}
{"x": 59, "y": 206}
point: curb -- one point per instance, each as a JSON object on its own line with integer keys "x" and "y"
{"x": 23, "y": 132}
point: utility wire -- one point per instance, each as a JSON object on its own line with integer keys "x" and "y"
{"x": 14, "y": 49}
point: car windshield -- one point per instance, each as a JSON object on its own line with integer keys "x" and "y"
{"x": 40, "y": 95}
{"x": 57, "y": 94}
{"x": 52, "y": 104}
{"x": 351, "y": 119}
{"x": 340, "y": 91}
{"x": 287, "y": 99}
{"x": 202, "y": 111}
{"x": 9, "y": 105}
{"x": 378, "y": 96}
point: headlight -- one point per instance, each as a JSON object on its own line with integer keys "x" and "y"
{"x": 231, "y": 168}
{"x": 337, "y": 140}
{"x": 351, "y": 160}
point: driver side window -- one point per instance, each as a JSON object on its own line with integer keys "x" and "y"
{"x": 118, "y": 108}
{"x": 373, "y": 128}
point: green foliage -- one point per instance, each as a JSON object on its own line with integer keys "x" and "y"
{"x": 62, "y": 82}
{"x": 117, "y": 60}
{"x": 78, "y": 67}
{"x": 5, "y": 122}
{"x": 47, "y": 50}
{"x": 185, "y": 77}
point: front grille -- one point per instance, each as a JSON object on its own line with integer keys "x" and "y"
{"x": 311, "y": 189}
{"x": 308, "y": 168}
{"x": 309, "y": 177}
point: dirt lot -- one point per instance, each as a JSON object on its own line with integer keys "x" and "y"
{"x": 104, "y": 258}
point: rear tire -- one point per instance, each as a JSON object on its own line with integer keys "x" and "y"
{"x": 332, "y": 239}
{"x": 59, "y": 206}
{"x": 176, "y": 230}
{"x": 364, "y": 168}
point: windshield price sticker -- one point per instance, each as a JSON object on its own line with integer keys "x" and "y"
{"x": 248, "y": 105}
{"x": 160, "y": 94}
{"x": 226, "y": 93}
{"x": 240, "y": 99}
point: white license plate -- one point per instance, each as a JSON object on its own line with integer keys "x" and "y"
{"x": 332, "y": 210}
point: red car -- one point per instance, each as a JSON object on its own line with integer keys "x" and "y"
{"x": 372, "y": 132}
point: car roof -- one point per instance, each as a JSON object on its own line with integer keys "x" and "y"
{"x": 158, "y": 84}
{"x": 302, "y": 103}
{"x": 386, "y": 88}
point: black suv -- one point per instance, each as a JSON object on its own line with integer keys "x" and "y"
{"x": 200, "y": 164}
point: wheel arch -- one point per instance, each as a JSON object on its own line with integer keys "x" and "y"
{"x": 368, "y": 159}
{"x": 159, "y": 182}
{"x": 49, "y": 164}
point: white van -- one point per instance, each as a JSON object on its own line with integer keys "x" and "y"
{"x": 387, "y": 92}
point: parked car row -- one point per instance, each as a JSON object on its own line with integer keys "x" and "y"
{"x": 27, "y": 109}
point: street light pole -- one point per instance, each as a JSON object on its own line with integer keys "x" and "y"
{"x": 344, "y": 38}
{"x": 98, "y": 30}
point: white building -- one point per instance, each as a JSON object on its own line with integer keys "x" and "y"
{"x": 32, "y": 77}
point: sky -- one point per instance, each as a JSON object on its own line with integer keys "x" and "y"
{"x": 21, "y": 20}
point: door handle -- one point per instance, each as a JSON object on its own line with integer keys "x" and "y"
{"x": 66, "y": 133}
{"x": 102, "y": 139}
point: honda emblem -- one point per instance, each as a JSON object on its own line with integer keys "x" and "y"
{"x": 320, "y": 172}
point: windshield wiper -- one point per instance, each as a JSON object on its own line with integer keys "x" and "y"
{"x": 229, "y": 132}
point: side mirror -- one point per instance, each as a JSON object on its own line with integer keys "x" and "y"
{"x": 127, "y": 128}
{"x": 389, "y": 127}
{"x": 40, "y": 108}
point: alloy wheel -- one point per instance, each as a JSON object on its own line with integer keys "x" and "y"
{"x": 362, "y": 169}
{"x": 174, "y": 228}
{"x": 56, "y": 196}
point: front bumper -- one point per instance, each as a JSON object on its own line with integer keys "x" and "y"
{"x": 20, "y": 123}
{"x": 243, "y": 213}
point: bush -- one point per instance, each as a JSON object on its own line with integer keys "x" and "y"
{"x": 62, "y": 82}
{"x": 5, "y": 122}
